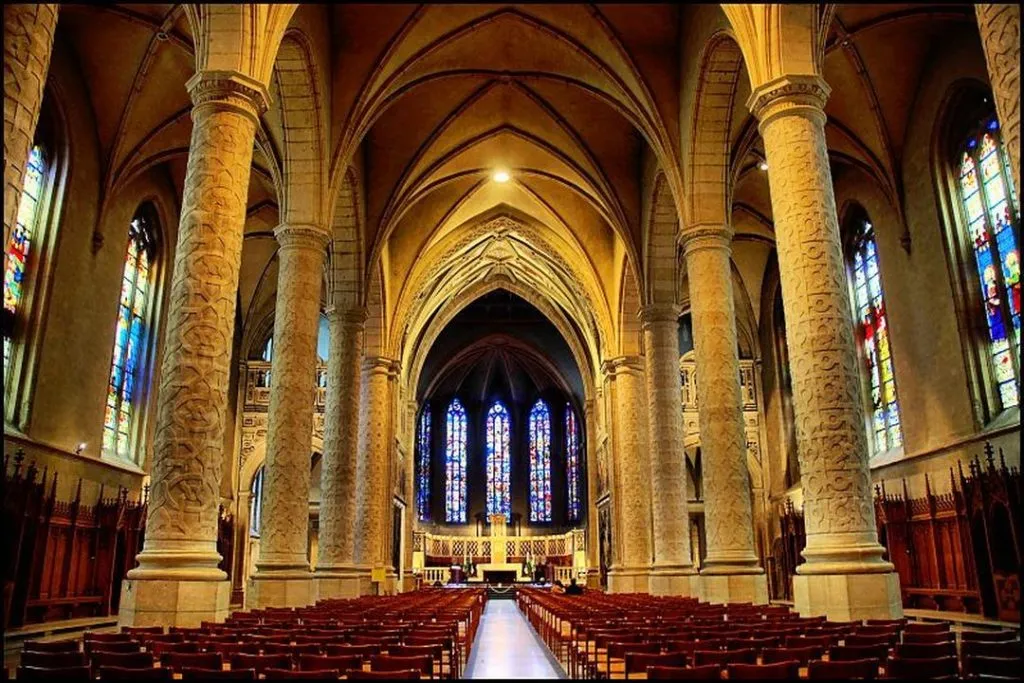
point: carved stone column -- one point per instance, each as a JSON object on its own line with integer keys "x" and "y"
{"x": 336, "y": 575}
{"x": 672, "y": 573}
{"x": 844, "y": 575}
{"x": 593, "y": 540}
{"x": 282, "y": 577}
{"x": 630, "y": 479}
{"x": 373, "y": 490}
{"x": 731, "y": 572}
{"x": 1000, "y": 36}
{"x": 177, "y": 581}
{"x": 28, "y": 43}
{"x": 408, "y": 582}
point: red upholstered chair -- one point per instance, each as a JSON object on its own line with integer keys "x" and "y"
{"x": 204, "y": 674}
{"x": 75, "y": 674}
{"x": 123, "y": 673}
{"x": 177, "y": 661}
{"x": 260, "y": 663}
{"x": 926, "y": 651}
{"x": 289, "y": 675}
{"x": 52, "y": 646}
{"x": 360, "y": 675}
{"x": 803, "y": 655}
{"x": 724, "y": 657}
{"x": 52, "y": 660}
{"x": 780, "y": 671}
{"x": 639, "y": 662}
{"x": 710, "y": 672}
{"x": 866, "y": 669}
{"x": 943, "y": 667}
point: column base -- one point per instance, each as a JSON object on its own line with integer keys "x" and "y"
{"x": 848, "y": 597}
{"x": 156, "y": 602}
{"x": 280, "y": 589}
{"x": 680, "y": 581}
{"x": 629, "y": 580}
{"x": 335, "y": 583}
{"x": 747, "y": 587}
{"x": 594, "y": 579}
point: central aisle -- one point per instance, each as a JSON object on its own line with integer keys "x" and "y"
{"x": 507, "y": 647}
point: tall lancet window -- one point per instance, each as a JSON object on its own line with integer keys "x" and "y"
{"x": 990, "y": 211}
{"x": 873, "y": 330}
{"x": 423, "y": 467}
{"x": 130, "y": 338}
{"x": 455, "y": 464}
{"x": 540, "y": 463}
{"x": 499, "y": 462}
{"x": 572, "y": 464}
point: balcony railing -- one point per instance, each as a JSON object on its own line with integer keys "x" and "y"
{"x": 257, "y": 386}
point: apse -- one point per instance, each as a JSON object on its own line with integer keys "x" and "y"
{"x": 500, "y": 423}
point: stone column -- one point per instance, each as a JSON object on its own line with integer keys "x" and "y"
{"x": 409, "y": 520}
{"x": 177, "y": 582}
{"x": 844, "y": 575}
{"x": 593, "y": 539}
{"x": 1000, "y": 36}
{"x": 373, "y": 490}
{"x": 28, "y": 42}
{"x": 282, "y": 577}
{"x": 672, "y": 573}
{"x": 630, "y": 480}
{"x": 336, "y": 575}
{"x": 731, "y": 572}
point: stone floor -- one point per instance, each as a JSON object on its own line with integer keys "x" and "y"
{"x": 507, "y": 647}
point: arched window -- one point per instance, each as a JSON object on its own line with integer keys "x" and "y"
{"x": 130, "y": 337}
{"x": 268, "y": 349}
{"x": 872, "y": 325}
{"x": 19, "y": 248}
{"x": 455, "y": 464}
{"x": 540, "y": 463}
{"x": 499, "y": 462}
{"x": 572, "y": 464}
{"x": 989, "y": 209}
{"x": 256, "y": 503}
{"x": 423, "y": 468}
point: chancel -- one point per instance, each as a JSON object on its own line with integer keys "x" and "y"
{"x": 481, "y": 340}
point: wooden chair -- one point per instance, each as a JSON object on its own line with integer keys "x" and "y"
{"x": 52, "y": 646}
{"x": 1009, "y": 648}
{"x": 52, "y": 660}
{"x": 870, "y": 639}
{"x": 803, "y": 655}
{"x": 866, "y": 669}
{"x": 711, "y": 672}
{"x": 823, "y": 641}
{"x": 124, "y": 673}
{"x": 114, "y": 646}
{"x": 780, "y": 671}
{"x": 756, "y": 644}
{"x": 724, "y": 657}
{"x": 926, "y": 651}
{"x": 640, "y": 662}
{"x": 992, "y": 666}
{"x": 424, "y": 664}
{"x": 260, "y": 663}
{"x": 927, "y": 638}
{"x": 289, "y": 675}
{"x": 122, "y": 660}
{"x": 328, "y": 662}
{"x": 360, "y": 675}
{"x": 922, "y": 627}
{"x": 204, "y": 674}
{"x": 76, "y": 674}
{"x": 898, "y": 624}
{"x": 177, "y": 661}
{"x": 161, "y": 649}
{"x": 91, "y": 636}
{"x": 364, "y": 651}
{"x": 942, "y": 667}
{"x": 845, "y": 653}
{"x": 142, "y": 630}
{"x": 988, "y": 636}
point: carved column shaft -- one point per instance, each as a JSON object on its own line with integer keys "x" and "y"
{"x": 593, "y": 541}
{"x": 727, "y": 512}
{"x": 285, "y": 528}
{"x": 181, "y": 523}
{"x": 668, "y": 461}
{"x": 374, "y": 482}
{"x": 341, "y": 436}
{"x": 1000, "y": 36}
{"x": 28, "y": 43}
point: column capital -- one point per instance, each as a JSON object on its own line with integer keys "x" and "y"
{"x": 231, "y": 90}
{"x": 352, "y": 315}
{"x": 659, "y": 313}
{"x": 382, "y": 365}
{"x": 302, "y": 236}
{"x": 622, "y": 364}
{"x": 703, "y": 236}
{"x": 793, "y": 94}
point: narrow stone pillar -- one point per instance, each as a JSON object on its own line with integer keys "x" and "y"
{"x": 28, "y": 43}
{"x": 177, "y": 582}
{"x": 1000, "y": 36}
{"x": 731, "y": 572}
{"x": 373, "y": 491}
{"x": 844, "y": 575}
{"x": 631, "y": 477}
{"x": 593, "y": 538}
{"x": 672, "y": 573}
{"x": 282, "y": 577}
{"x": 336, "y": 575}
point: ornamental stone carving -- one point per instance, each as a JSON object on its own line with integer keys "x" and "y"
{"x": 1000, "y": 36}
{"x": 373, "y": 492}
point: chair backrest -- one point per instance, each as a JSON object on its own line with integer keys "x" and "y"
{"x": 190, "y": 673}
{"x": 824, "y": 640}
{"x": 710, "y": 672}
{"x": 289, "y": 675}
{"x": 52, "y": 660}
{"x": 261, "y": 663}
{"x": 889, "y": 623}
{"x": 124, "y": 660}
{"x": 780, "y": 671}
{"x": 925, "y": 651}
{"x": 360, "y": 675}
{"x": 861, "y": 639}
{"x": 853, "y": 668}
{"x": 921, "y": 627}
{"x": 52, "y": 646}
{"x": 328, "y": 662}
{"x": 619, "y": 650}
{"x": 178, "y": 661}
{"x": 1009, "y": 648}
{"x": 125, "y": 673}
{"x": 140, "y": 630}
{"x": 160, "y": 649}
{"x": 424, "y": 664}
{"x": 113, "y": 646}
{"x": 76, "y": 674}
{"x": 907, "y": 667}
{"x": 993, "y": 666}
{"x": 724, "y": 657}
{"x": 927, "y": 638}
{"x": 107, "y": 637}
{"x": 840, "y": 653}
{"x": 435, "y": 650}
{"x": 772, "y": 655}
{"x": 989, "y": 636}
{"x": 638, "y": 662}
{"x": 364, "y": 651}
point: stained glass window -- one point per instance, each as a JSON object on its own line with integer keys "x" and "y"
{"x": 990, "y": 211}
{"x": 256, "y": 503}
{"x": 21, "y": 240}
{"x": 455, "y": 464}
{"x": 540, "y": 463}
{"x": 423, "y": 469}
{"x": 572, "y": 464}
{"x": 873, "y": 328}
{"x": 499, "y": 462}
{"x": 129, "y": 339}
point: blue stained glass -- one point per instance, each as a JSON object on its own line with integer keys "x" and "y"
{"x": 423, "y": 471}
{"x": 540, "y": 463}
{"x": 572, "y": 464}
{"x": 499, "y": 461}
{"x": 455, "y": 463}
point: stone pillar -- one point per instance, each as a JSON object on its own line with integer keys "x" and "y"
{"x": 731, "y": 572}
{"x": 336, "y": 575}
{"x": 28, "y": 42}
{"x": 630, "y": 480}
{"x": 177, "y": 582}
{"x": 373, "y": 490}
{"x": 1000, "y": 36}
{"x": 282, "y": 577}
{"x": 672, "y": 573}
{"x": 409, "y": 520}
{"x": 844, "y": 575}
{"x": 593, "y": 539}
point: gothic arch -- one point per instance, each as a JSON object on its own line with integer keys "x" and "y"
{"x": 661, "y": 245}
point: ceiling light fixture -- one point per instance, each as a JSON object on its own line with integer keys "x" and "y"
{"x": 501, "y": 176}
{"x": 763, "y": 165}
